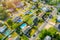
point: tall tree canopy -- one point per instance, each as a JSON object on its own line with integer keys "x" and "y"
{"x": 3, "y": 13}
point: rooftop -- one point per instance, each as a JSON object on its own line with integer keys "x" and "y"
{"x": 2, "y": 29}
{"x": 58, "y": 18}
{"x": 47, "y": 38}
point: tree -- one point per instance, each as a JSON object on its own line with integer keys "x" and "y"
{"x": 58, "y": 9}
{"x": 3, "y": 13}
{"x": 43, "y": 34}
{"x": 15, "y": 25}
{"x": 52, "y": 31}
{"x": 26, "y": 18}
{"x": 41, "y": 20}
{"x": 35, "y": 27}
{"x": 30, "y": 21}
{"x": 1, "y": 24}
{"x": 1, "y": 9}
{"x": 9, "y": 21}
{"x": 19, "y": 32}
{"x": 56, "y": 37}
{"x": 38, "y": 11}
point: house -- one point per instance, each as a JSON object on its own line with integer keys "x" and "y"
{"x": 20, "y": 5}
{"x": 2, "y": 29}
{"x": 13, "y": 36}
{"x": 14, "y": 3}
{"x": 33, "y": 7}
{"x": 15, "y": 18}
{"x": 35, "y": 21}
{"x": 10, "y": 39}
{"x": 19, "y": 20}
{"x": 47, "y": 38}
{"x": 34, "y": 0}
{"x": 28, "y": 12}
{"x": 7, "y": 32}
{"x": 25, "y": 29}
{"x": 16, "y": 38}
{"x": 58, "y": 18}
{"x": 10, "y": 10}
{"x": 58, "y": 6}
{"x": 59, "y": 26}
{"x": 45, "y": 9}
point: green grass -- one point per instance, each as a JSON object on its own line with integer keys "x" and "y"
{"x": 32, "y": 31}
{"x": 53, "y": 19}
{"x": 1, "y": 36}
{"x": 23, "y": 37}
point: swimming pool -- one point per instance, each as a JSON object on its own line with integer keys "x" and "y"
{"x": 30, "y": 12}
{"x": 23, "y": 25}
{"x": 7, "y": 32}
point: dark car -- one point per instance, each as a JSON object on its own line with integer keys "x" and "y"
{"x": 59, "y": 26}
{"x": 50, "y": 16}
{"x": 34, "y": 35}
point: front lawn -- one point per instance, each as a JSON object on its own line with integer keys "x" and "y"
{"x": 53, "y": 19}
{"x": 32, "y": 31}
{"x": 23, "y": 37}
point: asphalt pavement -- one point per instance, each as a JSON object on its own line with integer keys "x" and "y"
{"x": 44, "y": 24}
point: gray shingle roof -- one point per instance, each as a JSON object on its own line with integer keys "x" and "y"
{"x": 2, "y": 29}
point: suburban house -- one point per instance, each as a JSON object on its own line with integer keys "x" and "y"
{"x": 47, "y": 38}
{"x": 2, "y": 29}
{"x": 7, "y": 32}
{"x": 58, "y": 18}
{"x": 15, "y": 19}
{"x": 25, "y": 29}
{"x": 13, "y": 36}
{"x": 33, "y": 7}
{"x": 16, "y": 38}
{"x": 45, "y": 9}
{"x": 58, "y": 13}
{"x": 35, "y": 21}
{"x": 34, "y": 0}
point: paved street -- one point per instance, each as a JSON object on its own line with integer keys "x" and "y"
{"x": 39, "y": 29}
{"x": 43, "y": 25}
{"x": 26, "y": 19}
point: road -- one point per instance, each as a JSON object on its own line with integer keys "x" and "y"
{"x": 44, "y": 24}
{"x": 39, "y": 29}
